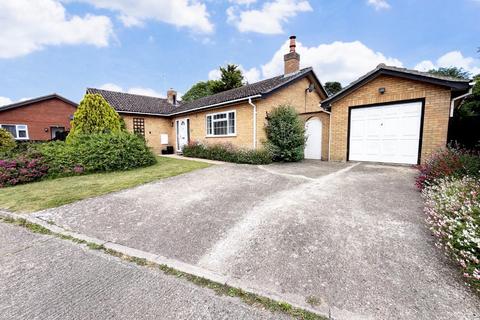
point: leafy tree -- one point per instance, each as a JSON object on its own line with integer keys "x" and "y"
{"x": 453, "y": 72}
{"x": 94, "y": 115}
{"x": 7, "y": 142}
{"x": 231, "y": 78}
{"x": 333, "y": 87}
{"x": 199, "y": 90}
{"x": 471, "y": 105}
{"x": 285, "y": 134}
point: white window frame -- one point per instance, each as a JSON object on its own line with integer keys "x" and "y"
{"x": 212, "y": 135}
{"x": 17, "y": 130}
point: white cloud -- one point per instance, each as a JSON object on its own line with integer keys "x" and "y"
{"x": 181, "y": 13}
{"x": 451, "y": 59}
{"x": 134, "y": 90}
{"x": 337, "y": 61}
{"x": 4, "y": 101}
{"x": 27, "y": 26}
{"x": 269, "y": 19}
{"x": 251, "y": 75}
{"x": 379, "y": 4}
{"x": 242, "y": 2}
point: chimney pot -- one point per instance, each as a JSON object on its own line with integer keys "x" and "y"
{"x": 293, "y": 43}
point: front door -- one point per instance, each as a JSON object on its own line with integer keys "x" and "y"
{"x": 182, "y": 126}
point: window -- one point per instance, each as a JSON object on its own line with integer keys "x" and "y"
{"x": 139, "y": 126}
{"x": 18, "y": 131}
{"x": 221, "y": 124}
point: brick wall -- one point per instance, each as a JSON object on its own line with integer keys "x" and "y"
{"x": 437, "y": 105}
{"x": 154, "y": 127}
{"x": 40, "y": 116}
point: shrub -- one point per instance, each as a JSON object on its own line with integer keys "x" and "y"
{"x": 446, "y": 162}
{"x": 228, "y": 153}
{"x": 94, "y": 115}
{"x": 285, "y": 134}
{"x": 7, "y": 142}
{"x": 22, "y": 169}
{"x": 453, "y": 212}
{"x": 97, "y": 153}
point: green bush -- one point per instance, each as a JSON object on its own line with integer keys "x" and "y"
{"x": 227, "y": 153}
{"x": 7, "y": 142}
{"x": 285, "y": 134}
{"x": 97, "y": 153}
{"x": 94, "y": 115}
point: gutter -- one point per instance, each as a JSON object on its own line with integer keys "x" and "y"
{"x": 216, "y": 105}
{"x": 463, "y": 96}
{"x": 254, "y": 122}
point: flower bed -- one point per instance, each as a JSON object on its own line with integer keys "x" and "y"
{"x": 453, "y": 213}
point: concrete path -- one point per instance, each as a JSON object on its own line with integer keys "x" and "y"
{"x": 351, "y": 238}
{"x": 43, "y": 277}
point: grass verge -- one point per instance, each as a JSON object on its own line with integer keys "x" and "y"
{"x": 219, "y": 288}
{"x": 53, "y": 193}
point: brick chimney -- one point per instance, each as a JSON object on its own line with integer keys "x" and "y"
{"x": 172, "y": 96}
{"x": 292, "y": 59}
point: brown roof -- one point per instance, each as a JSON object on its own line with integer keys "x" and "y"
{"x": 35, "y": 100}
{"x": 382, "y": 69}
{"x": 132, "y": 103}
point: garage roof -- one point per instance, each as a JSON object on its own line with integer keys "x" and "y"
{"x": 382, "y": 69}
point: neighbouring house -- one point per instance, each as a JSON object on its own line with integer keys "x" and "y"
{"x": 40, "y": 119}
{"x": 391, "y": 115}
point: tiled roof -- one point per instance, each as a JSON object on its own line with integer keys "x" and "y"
{"x": 132, "y": 103}
{"x": 35, "y": 100}
{"x": 262, "y": 87}
{"x": 454, "y": 83}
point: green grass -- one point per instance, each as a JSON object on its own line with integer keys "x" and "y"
{"x": 53, "y": 193}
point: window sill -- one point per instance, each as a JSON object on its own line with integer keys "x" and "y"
{"x": 222, "y": 136}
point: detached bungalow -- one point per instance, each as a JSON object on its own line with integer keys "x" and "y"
{"x": 390, "y": 115}
{"x": 40, "y": 119}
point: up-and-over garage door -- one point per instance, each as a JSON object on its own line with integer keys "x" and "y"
{"x": 386, "y": 133}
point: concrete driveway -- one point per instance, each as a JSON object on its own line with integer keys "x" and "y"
{"x": 348, "y": 237}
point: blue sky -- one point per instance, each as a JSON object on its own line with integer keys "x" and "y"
{"x": 147, "y": 46}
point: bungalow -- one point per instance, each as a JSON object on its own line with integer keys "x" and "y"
{"x": 390, "y": 115}
{"x": 40, "y": 119}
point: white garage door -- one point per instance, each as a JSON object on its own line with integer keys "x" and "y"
{"x": 388, "y": 133}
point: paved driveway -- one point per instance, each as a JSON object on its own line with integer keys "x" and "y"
{"x": 349, "y": 236}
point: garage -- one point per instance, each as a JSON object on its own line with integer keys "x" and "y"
{"x": 392, "y": 115}
{"x": 386, "y": 133}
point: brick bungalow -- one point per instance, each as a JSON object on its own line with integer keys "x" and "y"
{"x": 390, "y": 115}
{"x": 39, "y": 119}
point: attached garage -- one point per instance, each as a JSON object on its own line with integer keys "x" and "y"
{"x": 386, "y": 132}
{"x": 391, "y": 115}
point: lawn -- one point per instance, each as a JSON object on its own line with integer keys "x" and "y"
{"x": 53, "y": 193}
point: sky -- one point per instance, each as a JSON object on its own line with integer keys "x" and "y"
{"x": 149, "y": 46}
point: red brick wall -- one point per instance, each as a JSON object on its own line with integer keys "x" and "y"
{"x": 38, "y": 116}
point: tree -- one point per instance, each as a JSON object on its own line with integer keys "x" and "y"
{"x": 285, "y": 134}
{"x": 94, "y": 115}
{"x": 7, "y": 142}
{"x": 452, "y": 72}
{"x": 471, "y": 105}
{"x": 231, "y": 78}
{"x": 333, "y": 87}
{"x": 199, "y": 90}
